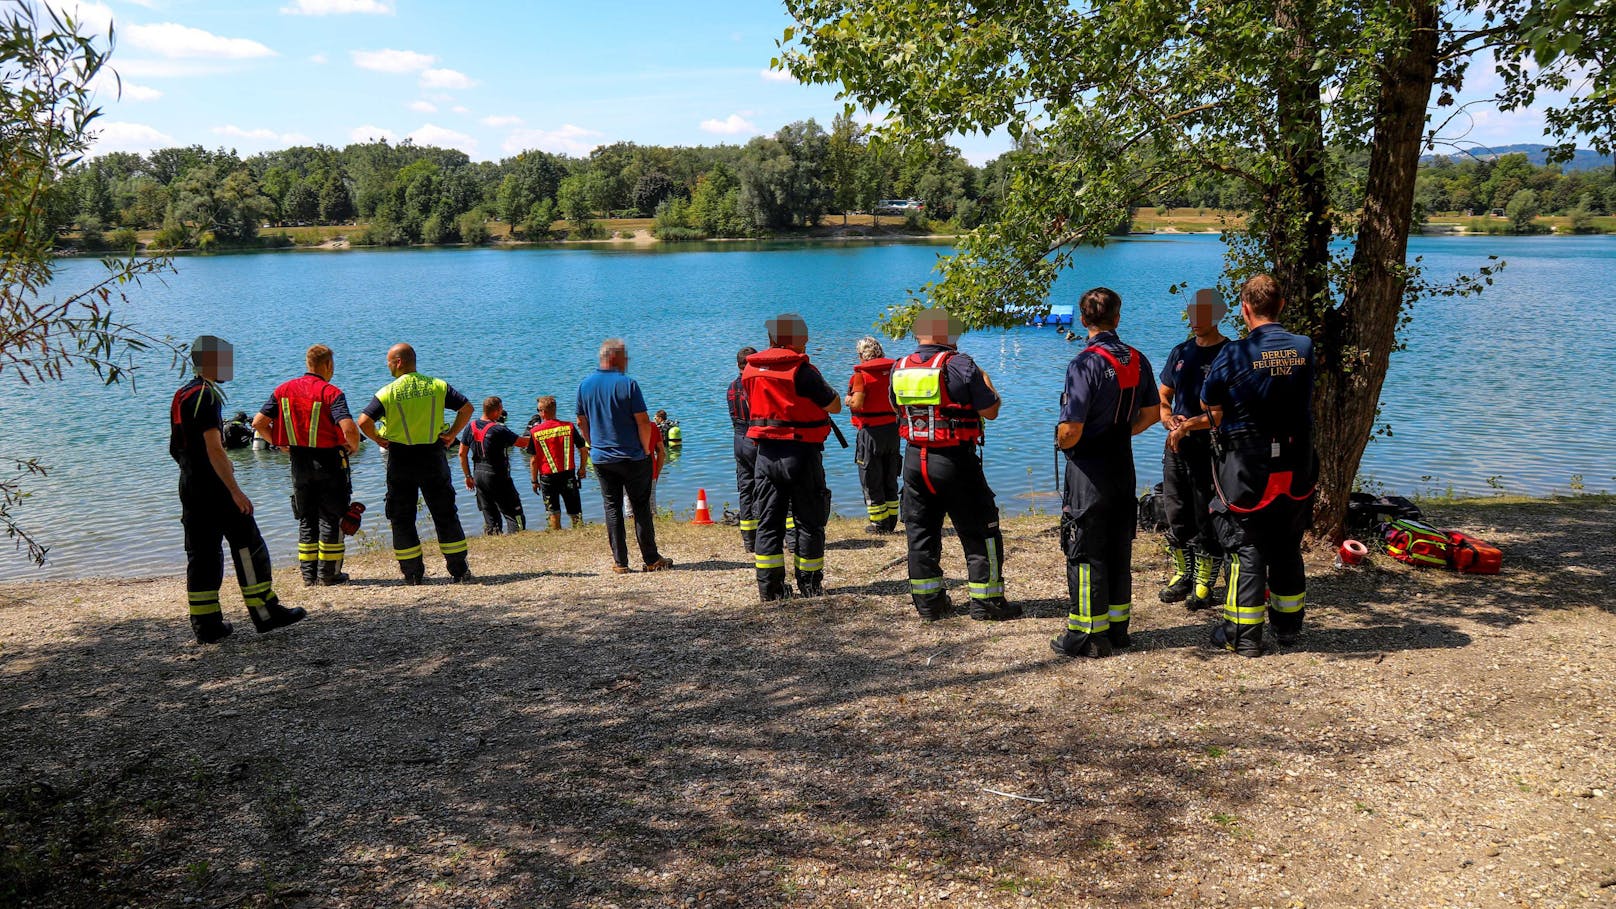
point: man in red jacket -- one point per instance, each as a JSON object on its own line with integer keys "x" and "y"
{"x": 789, "y": 407}
{"x": 309, "y": 418}
{"x": 559, "y": 453}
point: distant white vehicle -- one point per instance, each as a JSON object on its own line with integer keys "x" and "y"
{"x": 899, "y": 206}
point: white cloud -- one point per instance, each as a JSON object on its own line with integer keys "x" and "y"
{"x": 368, "y": 133}
{"x": 148, "y": 4}
{"x": 95, "y": 16}
{"x": 319, "y": 59}
{"x": 168, "y": 69}
{"x": 776, "y": 75}
{"x": 461, "y": 109}
{"x": 423, "y": 107}
{"x": 447, "y": 79}
{"x": 432, "y": 134}
{"x": 260, "y": 137}
{"x": 170, "y": 39}
{"x": 500, "y": 122}
{"x": 392, "y": 61}
{"x": 109, "y": 87}
{"x": 733, "y": 125}
{"x": 330, "y": 7}
{"x": 118, "y": 136}
{"x": 134, "y": 92}
{"x": 568, "y": 140}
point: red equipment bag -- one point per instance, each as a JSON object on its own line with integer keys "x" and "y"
{"x": 1473, "y": 556}
{"x": 1417, "y": 543}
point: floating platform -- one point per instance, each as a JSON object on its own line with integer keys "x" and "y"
{"x": 1059, "y": 317}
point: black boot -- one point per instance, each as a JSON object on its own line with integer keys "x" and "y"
{"x": 994, "y": 610}
{"x": 1117, "y": 634}
{"x": 934, "y": 609}
{"x": 210, "y": 628}
{"x": 1242, "y": 640}
{"x": 1074, "y": 644}
{"x": 1183, "y": 580}
{"x": 810, "y": 583}
{"x": 772, "y": 585}
{"x": 273, "y": 615}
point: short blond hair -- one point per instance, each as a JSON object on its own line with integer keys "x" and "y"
{"x": 318, "y": 355}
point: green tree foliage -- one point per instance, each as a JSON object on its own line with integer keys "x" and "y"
{"x": 1114, "y": 103}
{"x": 1521, "y": 209}
{"x": 48, "y": 64}
{"x": 649, "y": 191}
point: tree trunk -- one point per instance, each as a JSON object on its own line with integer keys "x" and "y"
{"x": 1299, "y": 235}
{"x": 1359, "y": 336}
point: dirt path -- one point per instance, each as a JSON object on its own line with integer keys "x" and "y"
{"x": 556, "y": 736}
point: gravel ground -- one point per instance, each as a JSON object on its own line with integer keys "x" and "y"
{"x": 561, "y": 736}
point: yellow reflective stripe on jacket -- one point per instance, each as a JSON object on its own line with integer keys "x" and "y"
{"x": 286, "y": 421}
{"x": 314, "y": 423}
{"x": 413, "y": 407}
{"x": 565, "y": 434}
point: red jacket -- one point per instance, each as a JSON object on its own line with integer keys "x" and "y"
{"x": 877, "y": 378}
{"x": 555, "y": 446}
{"x": 777, "y": 411}
{"x": 303, "y": 414}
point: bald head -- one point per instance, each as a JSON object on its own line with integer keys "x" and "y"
{"x": 400, "y": 359}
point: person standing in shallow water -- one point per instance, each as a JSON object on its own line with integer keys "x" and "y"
{"x": 213, "y": 508}
{"x": 487, "y": 443}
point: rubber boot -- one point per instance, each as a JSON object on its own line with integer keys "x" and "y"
{"x": 273, "y": 615}
{"x": 1076, "y": 644}
{"x": 1117, "y": 634}
{"x": 1242, "y": 640}
{"x": 210, "y": 628}
{"x": 1183, "y": 581}
{"x": 994, "y": 610}
{"x": 333, "y": 579}
{"x": 890, "y": 524}
{"x": 772, "y": 585}
{"x": 555, "y": 521}
{"x": 810, "y": 583}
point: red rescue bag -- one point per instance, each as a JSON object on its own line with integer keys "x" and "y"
{"x": 1417, "y": 543}
{"x": 1473, "y": 556}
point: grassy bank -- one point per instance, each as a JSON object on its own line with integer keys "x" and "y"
{"x": 557, "y": 735}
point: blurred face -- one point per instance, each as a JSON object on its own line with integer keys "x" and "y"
{"x": 215, "y": 362}
{"x": 1205, "y": 311}
{"x": 938, "y": 329}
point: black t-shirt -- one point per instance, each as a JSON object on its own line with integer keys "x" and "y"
{"x": 197, "y": 407}
{"x": 1184, "y": 372}
{"x": 493, "y": 452}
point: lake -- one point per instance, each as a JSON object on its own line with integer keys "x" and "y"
{"x": 1495, "y": 393}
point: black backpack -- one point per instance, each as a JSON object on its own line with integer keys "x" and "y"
{"x": 1153, "y": 511}
{"x": 1367, "y": 512}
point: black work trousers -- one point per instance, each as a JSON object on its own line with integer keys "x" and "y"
{"x": 561, "y": 488}
{"x": 745, "y": 465}
{"x": 1099, "y": 516}
{"x": 211, "y": 518}
{"x": 1265, "y": 549}
{"x": 1187, "y": 495}
{"x": 632, "y": 479}
{"x": 879, "y": 456}
{"x": 948, "y": 482}
{"x": 789, "y": 480}
{"x": 422, "y": 471}
{"x": 320, "y": 491}
{"x": 498, "y": 500}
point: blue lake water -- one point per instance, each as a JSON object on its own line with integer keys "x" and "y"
{"x": 1500, "y": 392}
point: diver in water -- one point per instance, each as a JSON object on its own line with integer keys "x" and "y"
{"x": 237, "y": 433}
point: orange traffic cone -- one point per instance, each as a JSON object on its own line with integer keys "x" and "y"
{"x": 704, "y": 515}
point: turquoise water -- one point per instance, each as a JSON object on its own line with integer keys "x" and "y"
{"x": 1502, "y": 392}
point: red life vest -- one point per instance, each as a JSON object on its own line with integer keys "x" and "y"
{"x": 877, "y": 410}
{"x": 942, "y": 425}
{"x": 776, "y": 410}
{"x": 303, "y": 414}
{"x": 553, "y": 446}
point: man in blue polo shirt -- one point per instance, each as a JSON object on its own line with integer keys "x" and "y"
{"x": 1259, "y": 394}
{"x": 613, "y": 419}
{"x": 1187, "y": 493}
{"x": 1110, "y": 397}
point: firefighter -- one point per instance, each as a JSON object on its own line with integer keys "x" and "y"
{"x": 1110, "y": 397}
{"x": 745, "y": 450}
{"x": 877, "y": 451}
{"x": 1192, "y": 542}
{"x": 1259, "y": 394}
{"x": 789, "y": 407}
{"x": 416, "y": 441}
{"x": 941, "y": 398}
{"x": 309, "y": 418}
{"x": 212, "y": 506}
{"x": 559, "y": 455}
{"x": 488, "y": 442}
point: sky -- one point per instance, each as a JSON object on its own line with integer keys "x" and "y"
{"x": 491, "y": 78}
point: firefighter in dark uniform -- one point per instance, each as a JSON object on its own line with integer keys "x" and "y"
{"x": 1259, "y": 393}
{"x": 559, "y": 456}
{"x": 942, "y": 397}
{"x": 213, "y": 508}
{"x": 1192, "y": 542}
{"x": 1110, "y": 397}
{"x": 877, "y": 452}
{"x": 745, "y": 451}
{"x": 487, "y": 443}
{"x": 789, "y": 407}
{"x": 416, "y": 440}
{"x": 308, "y": 417}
